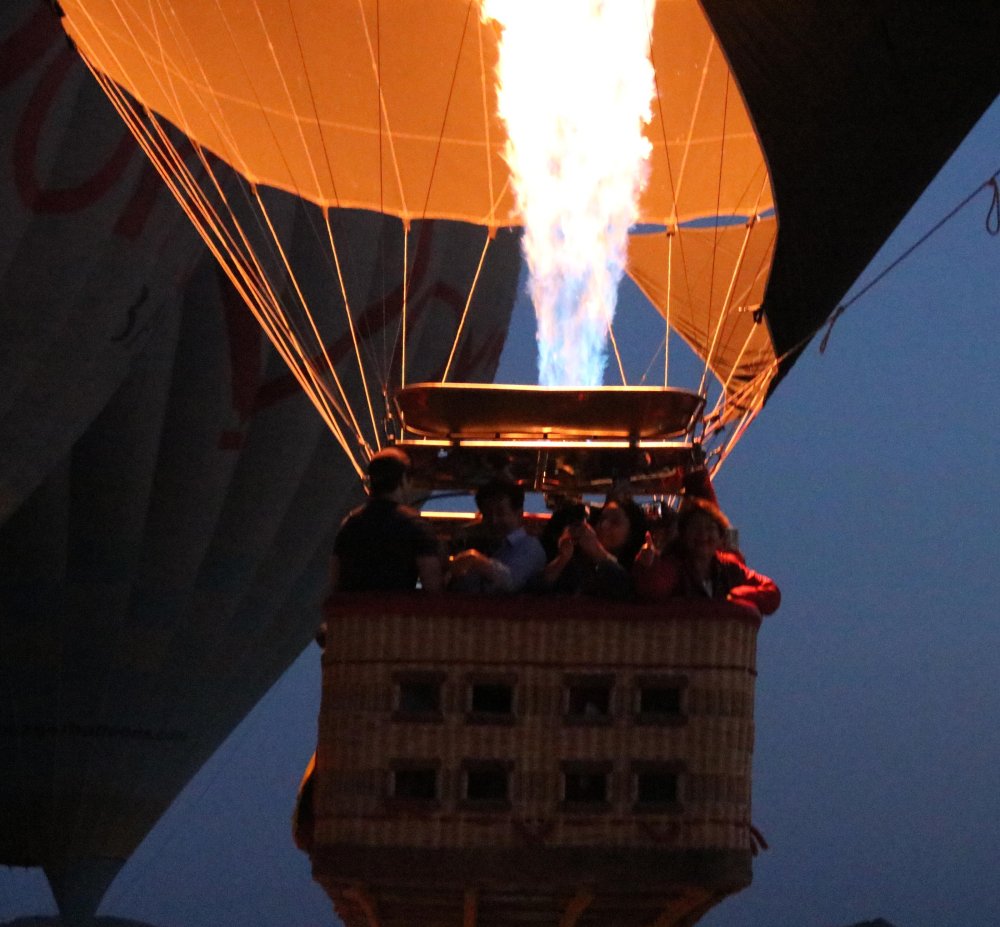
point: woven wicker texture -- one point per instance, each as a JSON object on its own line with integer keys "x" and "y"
{"x": 481, "y": 759}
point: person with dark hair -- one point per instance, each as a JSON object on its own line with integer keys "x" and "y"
{"x": 383, "y": 545}
{"x": 700, "y": 567}
{"x": 595, "y": 559}
{"x": 498, "y": 555}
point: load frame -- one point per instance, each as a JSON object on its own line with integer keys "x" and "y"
{"x": 550, "y": 439}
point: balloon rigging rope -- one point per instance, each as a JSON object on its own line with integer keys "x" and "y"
{"x": 264, "y": 302}
{"x": 329, "y": 229}
{"x": 759, "y": 386}
{"x": 673, "y": 224}
{"x": 666, "y": 310}
{"x": 385, "y": 368}
{"x": 727, "y": 309}
{"x": 303, "y": 303}
{"x": 266, "y": 307}
{"x": 189, "y": 196}
{"x": 447, "y": 107}
{"x": 699, "y": 98}
{"x": 725, "y": 400}
{"x": 404, "y": 313}
{"x": 754, "y": 330}
{"x": 660, "y": 346}
{"x": 315, "y": 109}
{"x": 724, "y": 452}
{"x": 319, "y": 386}
{"x": 756, "y": 390}
{"x": 753, "y": 223}
{"x": 468, "y": 302}
{"x": 992, "y": 226}
{"x": 716, "y": 233}
{"x": 335, "y": 255}
{"x": 385, "y": 128}
{"x": 385, "y": 132}
{"x": 618, "y": 357}
{"x": 726, "y": 306}
{"x": 487, "y": 123}
{"x": 243, "y": 269}
{"x": 671, "y": 221}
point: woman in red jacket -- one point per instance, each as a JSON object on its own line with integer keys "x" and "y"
{"x": 698, "y": 566}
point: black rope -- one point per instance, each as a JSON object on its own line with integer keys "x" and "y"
{"x": 992, "y": 226}
{"x": 837, "y": 313}
{"x": 993, "y": 214}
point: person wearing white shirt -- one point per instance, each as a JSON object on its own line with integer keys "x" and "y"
{"x": 515, "y": 557}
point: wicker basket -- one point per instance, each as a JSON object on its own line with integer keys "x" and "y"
{"x": 533, "y": 759}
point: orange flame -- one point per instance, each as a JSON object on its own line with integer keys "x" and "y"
{"x": 574, "y": 88}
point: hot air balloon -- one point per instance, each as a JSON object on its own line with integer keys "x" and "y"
{"x": 349, "y": 106}
{"x": 390, "y": 110}
{"x": 168, "y": 495}
{"x": 305, "y": 101}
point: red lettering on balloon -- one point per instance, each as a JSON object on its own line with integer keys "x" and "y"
{"x": 466, "y": 362}
{"x": 250, "y": 394}
{"x": 376, "y": 316}
{"x": 26, "y": 45}
{"x": 26, "y": 145}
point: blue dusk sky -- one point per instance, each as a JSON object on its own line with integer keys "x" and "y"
{"x": 868, "y": 489}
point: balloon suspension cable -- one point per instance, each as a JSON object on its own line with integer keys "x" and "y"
{"x": 618, "y": 357}
{"x": 751, "y": 395}
{"x": 992, "y": 227}
{"x": 465, "y": 310}
{"x": 672, "y": 223}
{"x": 663, "y": 121}
{"x": 235, "y": 255}
{"x": 660, "y": 346}
{"x": 351, "y": 327}
{"x": 724, "y": 394}
{"x": 297, "y": 339}
{"x": 752, "y": 224}
{"x": 689, "y": 141}
{"x": 737, "y": 434}
{"x": 406, "y": 287}
{"x": 447, "y": 107}
{"x": 385, "y": 128}
{"x": 321, "y": 390}
{"x": 753, "y": 330}
{"x": 330, "y": 237}
{"x": 430, "y": 183}
{"x": 484, "y": 87}
{"x": 716, "y": 232}
{"x": 671, "y": 233}
{"x": 725, "y": 307}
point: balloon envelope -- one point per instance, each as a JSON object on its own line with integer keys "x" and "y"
{"x": 394, "y": 108}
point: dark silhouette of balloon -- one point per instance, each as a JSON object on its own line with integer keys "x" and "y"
{"x": 857, "y": 108}
{"x": 167, "y": 493}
